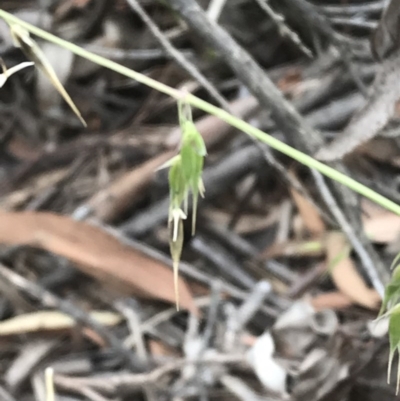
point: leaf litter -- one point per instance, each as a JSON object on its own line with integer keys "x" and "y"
{"x": 267, "y": 283}
{"x": 94, "y": 250}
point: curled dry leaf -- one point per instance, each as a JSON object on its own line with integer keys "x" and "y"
{"x": 51, "y": 320}
{"x": 96, "y": 252}
{"x": 380, "y": 225}
{"x": 344, "y": 273}
{"x": 383, "y": 227}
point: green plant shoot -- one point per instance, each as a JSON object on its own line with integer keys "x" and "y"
{"x": 394, "y": 341}
{"x": 185, "y": 171}
{"x": 391, "y": 308}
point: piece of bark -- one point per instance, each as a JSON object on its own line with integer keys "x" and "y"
{"x": 385, "y": 92}
{"x": 374, "y": 116}
{"x": 386, "y": 38}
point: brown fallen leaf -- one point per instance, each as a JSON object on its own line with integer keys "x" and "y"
{"x": 107, "y": 204}
{"x": 96, "y": 252}
{"x": 248, "y": 223}
{"x": 371, "y": 209}
{"x": 310, "y": 215}
{"x": 344, "y": 273}
{"x": 383, "y": 227}
{"x": 331, "y": 300}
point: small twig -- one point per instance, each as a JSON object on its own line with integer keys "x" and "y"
{"x": 29, "y": 357}
{"x": 123, "y": 382}
{"x": 190, "y": 271}
{"x": 86, "y": 391}
{"x": 130, "y": 314}
{"x": 291, "y": 180}
{"x": 178, "y": 56}
{"x": 212, "y": 315}
{"x": 149, "y": 325}
{"x": 283, "y": 28}
{"x": 133, "y": 321}
{"x": 239, "y": 388}
{"x": 49, "y": 300}
{"x": 226, "y": 265}
{"x": 137, "y": 54}
{"x": 313, "y": 19}
{"x": 243, "y": 248}
{"x": 366, "y": 261}
{"x": 241, "y": 316}
{"x": 357, "y": 23}
{"x": 285, "y": 221}
{"x": 92, "y": 395}
{"x": 253, "y": 303}
{"x": 350, "y": 9}
{"x": 195, "y": 370}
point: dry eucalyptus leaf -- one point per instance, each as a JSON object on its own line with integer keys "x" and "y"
{"x": 51, "y": 320}
{"x": 383, "y": 228}
{"x": 96, "y": 252}
{"x": 334, "y": 300}
{"x": 345, "y": 275}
